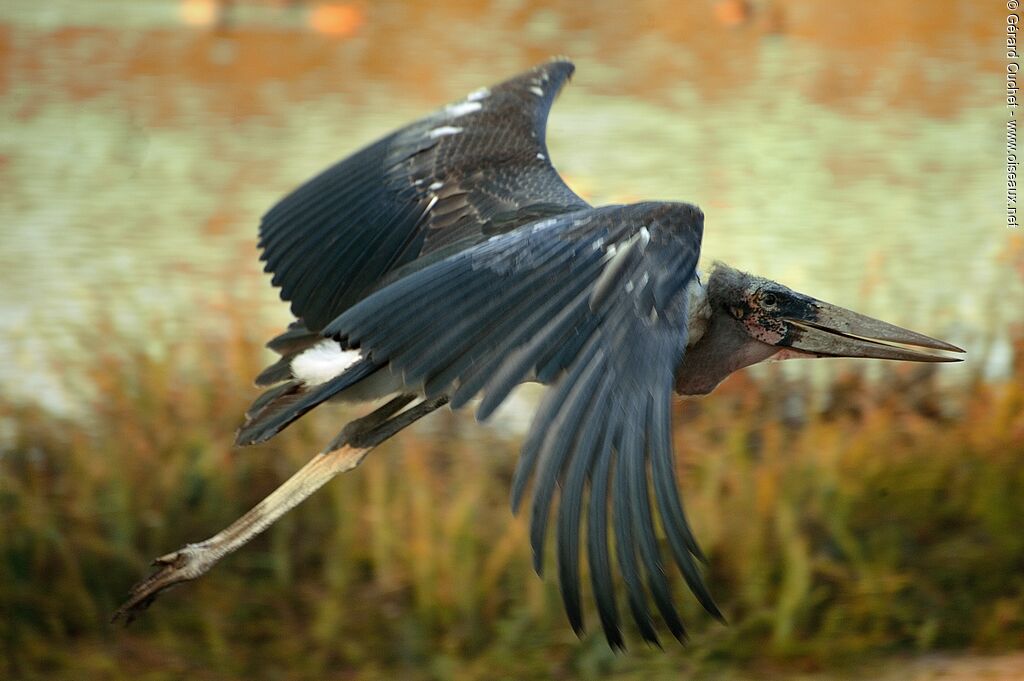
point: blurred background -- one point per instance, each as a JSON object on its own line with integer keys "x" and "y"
{"x": 862, "y": 519}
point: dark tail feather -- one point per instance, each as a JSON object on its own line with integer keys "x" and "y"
{"x": 296, "y": 340}
{"x": 277, "y": 408}
{"x": 273, "y": 398}
{"x": 281, "y": 370}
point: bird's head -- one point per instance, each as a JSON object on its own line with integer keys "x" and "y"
{"x": 748, "y": 319}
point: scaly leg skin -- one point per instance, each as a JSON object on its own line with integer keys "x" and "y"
{"x": 345, "y": 453}
{"x": 194, "y": 560}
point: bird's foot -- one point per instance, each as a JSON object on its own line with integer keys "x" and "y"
{"x": 182, "y": 565}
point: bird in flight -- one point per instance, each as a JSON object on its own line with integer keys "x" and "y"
{"x": 449, "y": 262}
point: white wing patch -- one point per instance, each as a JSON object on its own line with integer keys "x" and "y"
{"x": 477, "y": 95}
{"x": 322, "y": 362}
{"x": 645, "y": 238}
{"x": 463, "y": 108}
{"x": 698, "y": 310}
{"x": 444, "y": 130}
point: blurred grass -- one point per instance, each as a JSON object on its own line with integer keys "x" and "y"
{"x": 886, "y": 521}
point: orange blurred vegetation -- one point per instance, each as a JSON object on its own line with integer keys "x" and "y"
{"x": 341, "y": 20}
{"x": 886, "y": 521}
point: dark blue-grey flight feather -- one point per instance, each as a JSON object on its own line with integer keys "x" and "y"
{"x": 452, "y": 252}
{"x": 473, "y": 168}
{"x": 564, "y": 283}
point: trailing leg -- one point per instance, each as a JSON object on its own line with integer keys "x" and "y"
{"x": 345, "y": 453}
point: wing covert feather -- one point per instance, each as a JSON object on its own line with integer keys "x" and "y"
{"x": 472, "y": 169}
{"x": 522, "y": 306}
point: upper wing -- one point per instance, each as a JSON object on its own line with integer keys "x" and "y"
{"x": 471, "y": 169}
{"x": 594, "y": 303}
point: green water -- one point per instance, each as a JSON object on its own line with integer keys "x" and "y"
{"x": 137, "y": 153}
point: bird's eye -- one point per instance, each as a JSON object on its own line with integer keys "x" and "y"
{"x": 769, "y": 300}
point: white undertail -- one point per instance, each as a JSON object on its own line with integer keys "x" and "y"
{"x": 322, "y": 362}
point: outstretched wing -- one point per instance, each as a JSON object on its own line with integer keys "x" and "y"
{"x": 594, "y": 304}
{"x": 472, "y": 169}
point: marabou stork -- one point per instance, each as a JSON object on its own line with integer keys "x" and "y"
{"x": 449, "y": 261}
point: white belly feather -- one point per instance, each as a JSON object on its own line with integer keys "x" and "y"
{"x": 327, "y": 359}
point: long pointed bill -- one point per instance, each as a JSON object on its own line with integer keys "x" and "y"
{"x": 832, "y": 331}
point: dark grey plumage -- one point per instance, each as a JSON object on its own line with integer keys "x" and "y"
{"x": 624, "y": 351}
{"x": 453, "y": 252}
{"x": 336, "y": 237}
{"x": 452, "y": 257}
{"x": 449, "y": 261}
